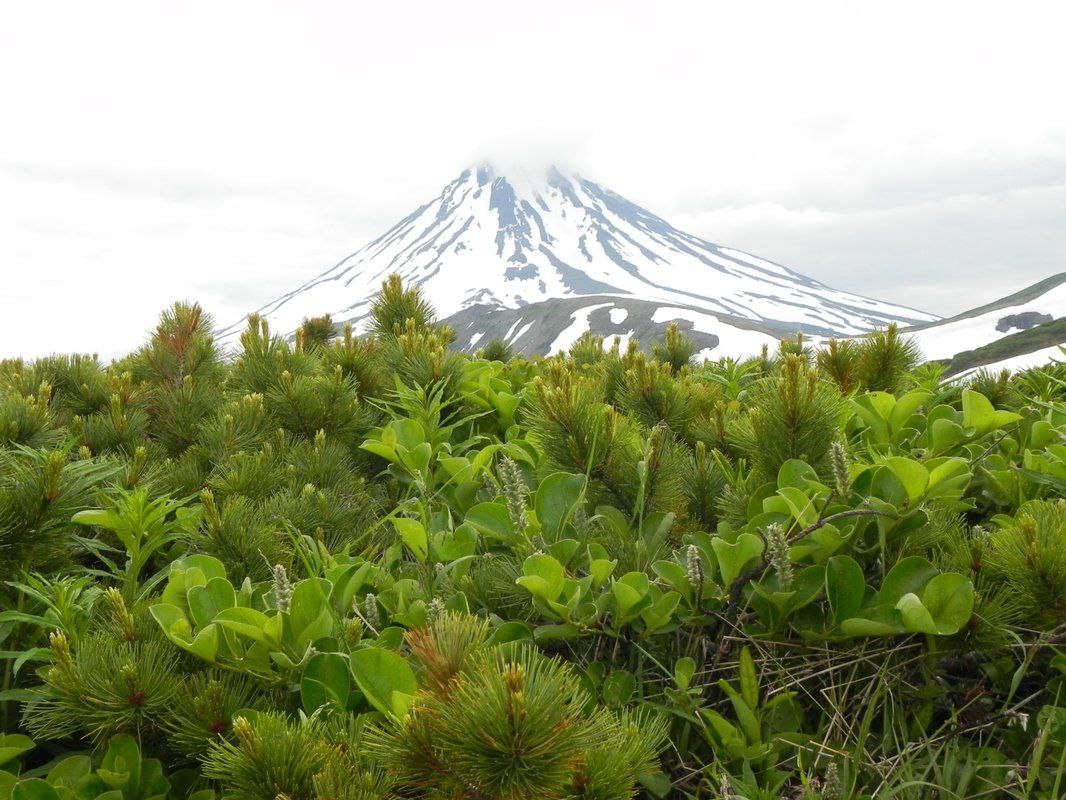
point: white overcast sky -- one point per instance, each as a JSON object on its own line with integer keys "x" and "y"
{"x": 227, "y": 151}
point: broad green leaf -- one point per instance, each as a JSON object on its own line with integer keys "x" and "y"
{"x": 910, "y": 575}
{"x": 33, "y": 789}
{"x": 417, "y": 458}
{"x": 950, "y": 599}
{"x": 684, "y": 670}
{"x": 916, "y": 617}
{"x": 510, "y": 632}
{"x": 796, "y": 473}
{"x": 492, "y": 520}
{"x": 70, "y": 771}
{"x": 733, "y": 557}
{"x": 913, "y": 476}
{"x": 177, "y": 629}
{"x": 978, "y": 414}
{"x": 722, "y": 733}
{"x": 379, "y": 449}
{"x": 600, "y": 569}
{"x": 309, "y": 617}
{"x": 452, "y": 545}
{"x": 906, "y": 406}
{"x": 945, "y": 434}
{"x": 413, "y": 534}
{"x": 661, "y": 611}
{"x": 12, "y": 745}
{"x": 250, "y": 623}
{"x": 347, "y": 582}
{"x": 206, "y": 601}
{"x": 877, "y": 621}
{"x": 543, "y": 577}
{"x": 744, "y": 713}
{"x": 801, "y": 507}
{"x": 325, "y": 680}
{"x": 385, "y": 678}
{"x": 845, "y": 587}
{"x": 875, "y": 409}
{"x": 557, "y": 497}
{"x": 122, "y": 763}
{"x": 549, "y": 634}
{"x": 948, "y": 476}
{"x": 808, "y": 585}
{"x": 749, "y": 679}
{"x": 674, "y": 574}
{"x": 409, "y": 433}
{"x": 629, "y": 590}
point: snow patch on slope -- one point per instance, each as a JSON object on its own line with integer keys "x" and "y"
{"x": 576, "y": 329}
{"x": 734, "y": 342}
{"x": 968, "y": 333}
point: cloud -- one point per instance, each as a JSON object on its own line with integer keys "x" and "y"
{"x": 230, "y": 151}
{"x": 944, "y": 255}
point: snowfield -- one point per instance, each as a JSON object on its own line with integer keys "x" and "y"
{"x": 946, "y": 339}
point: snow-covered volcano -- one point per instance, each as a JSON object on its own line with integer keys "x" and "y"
{"x": 509, "y": 240}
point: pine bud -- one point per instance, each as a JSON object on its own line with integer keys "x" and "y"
{"x": 777, "y": 554}
{"x": 214, "y": 520}
{"x": 838, "y": 455}
{"x": 513, "y": 680}
{"x": 53, "y": 474}
{"x": 244, "y": 731}
{"x": 353, "y": 631}
{"x": 282, "y": 589}
{"x": 121, "y": 613}
{"x": 61, "y": 651}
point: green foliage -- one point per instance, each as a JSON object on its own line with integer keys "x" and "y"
{"x": 363, "y": 567}
{"x": 395, "y": 304}
{"x": 793, "y": 415}
{"x": 315, "y": 332}
{"x": 839, "y": 361}
{"x": 534, "y": 734}
{"x": 496, "y": 350}
{"x": 40, "y": 491}
{"x": 121, "y": 774}
{"x": 884, "y": 359}
{"x": 1030, "y": 554}
{"x": 675, "y": 349}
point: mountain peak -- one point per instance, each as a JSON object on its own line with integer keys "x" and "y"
{"x": 510, "y": 235}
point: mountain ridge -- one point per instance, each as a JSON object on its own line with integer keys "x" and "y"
{"x": 511, "y": 240}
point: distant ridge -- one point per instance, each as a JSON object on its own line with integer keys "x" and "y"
{"x": 496, "y": 242}
{"x": 1020, "y": 330}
